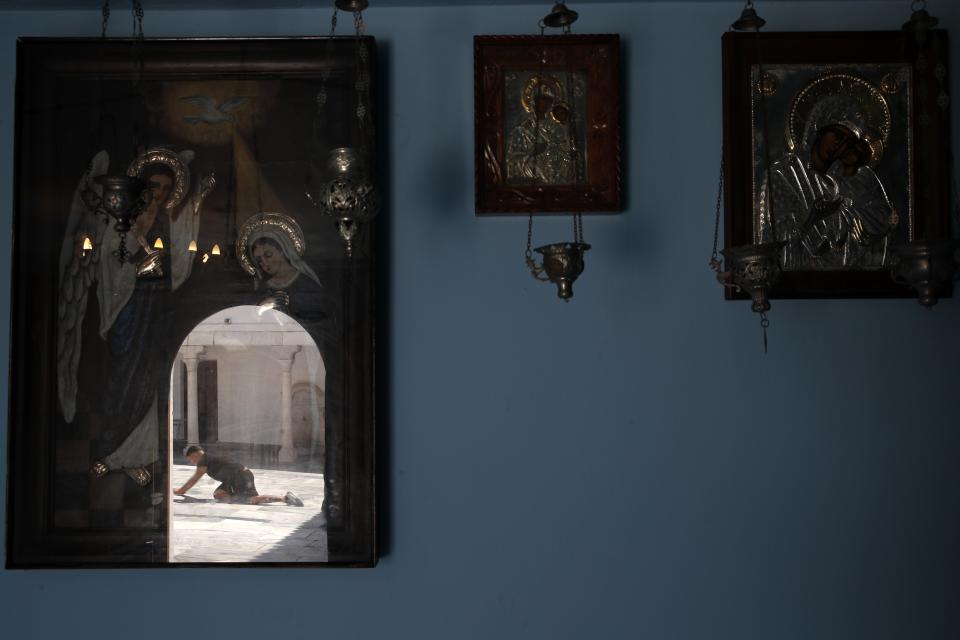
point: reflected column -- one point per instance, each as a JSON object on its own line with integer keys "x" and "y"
{"x": 284, "y": 356}
{"x": 191, "y": 357}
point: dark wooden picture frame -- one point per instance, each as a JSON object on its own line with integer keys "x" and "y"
{"x": 245, "y": 115}
{"x": 771, "y": 83}
{"x": 576, "y": 121}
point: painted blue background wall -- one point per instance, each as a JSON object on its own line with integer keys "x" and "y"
{"x": 628, "y": 465}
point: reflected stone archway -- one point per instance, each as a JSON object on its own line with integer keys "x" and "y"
{"x": 247, "y": 386}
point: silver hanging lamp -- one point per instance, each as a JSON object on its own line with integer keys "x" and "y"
{"x": 122, "y": 197}
{"x": 561, "y": 262}
{"x": 926, "y": 266}
{"x": 350, "y": 197}
{"x": 753, "y": 269}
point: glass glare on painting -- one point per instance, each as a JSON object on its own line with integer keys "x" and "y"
{"x": 198, "y": 385}
{"x": 248, "y": 383}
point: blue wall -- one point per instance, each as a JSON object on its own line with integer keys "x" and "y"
{"x": 628, "y": 465}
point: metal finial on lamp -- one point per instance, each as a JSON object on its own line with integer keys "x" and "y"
{"x": 560, "y": 17}
{"x": 920, "y": 20}
{"x": 749, "y": 20}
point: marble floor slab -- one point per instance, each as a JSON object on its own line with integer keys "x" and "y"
{"x": 203, "y": 530}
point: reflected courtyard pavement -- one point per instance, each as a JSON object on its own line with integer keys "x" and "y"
{"x": 207, "y": 531}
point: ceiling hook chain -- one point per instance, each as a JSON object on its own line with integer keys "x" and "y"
{"x": 105, "y": 11}
{"x": 137, "y": 11}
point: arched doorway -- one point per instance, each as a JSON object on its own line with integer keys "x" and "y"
{"x": 246, "y": 389}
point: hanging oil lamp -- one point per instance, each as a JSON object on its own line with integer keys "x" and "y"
{"x": 926, "y": 266}
{"x": 350, "y": 196}
{"x": 749, "y": 268}
{"x": 122, "y": 200}
{"x": 561, "y": 262}
{"x": 122, "y": 197}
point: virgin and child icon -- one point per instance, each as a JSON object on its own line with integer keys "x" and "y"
{"x": 823, "y": 200}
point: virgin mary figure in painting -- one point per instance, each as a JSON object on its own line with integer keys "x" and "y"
{"x": 270, "y": 248}
{"x": 543, "y": 144}
{"x": 111, "y": 371}
{"x": 828, "y": 207}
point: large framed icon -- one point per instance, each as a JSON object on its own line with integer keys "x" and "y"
{"x": 836, "y": 149}
{"x": 192, "y": 349}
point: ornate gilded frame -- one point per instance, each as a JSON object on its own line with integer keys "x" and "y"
{"x": 765, "y": 73}
{"x": 588, "y": 66}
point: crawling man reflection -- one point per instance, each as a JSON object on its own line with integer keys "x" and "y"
{"x": 237, "y": 482}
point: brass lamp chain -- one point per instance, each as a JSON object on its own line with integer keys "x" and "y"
{"x": 105, "y": 11}
{"x": 136, "y": 12}
{"x": 363, "y": 80}
{"x": 535, "y": 271}
{"x": 529, "y": 253}
{"x": 325, "y": 74}
{"x": 715, "y": 257}
{"x": 138, "y": 19}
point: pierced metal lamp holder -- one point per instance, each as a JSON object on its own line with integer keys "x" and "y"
{"x": 122, "y": 200}
{"x": 350, "y": 198}
{"x": 753, "y": 269}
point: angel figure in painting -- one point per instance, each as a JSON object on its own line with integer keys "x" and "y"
{"x": 108, "y": 366}
{"x": 270, "y": 248}
{"x": 828, "y": 207}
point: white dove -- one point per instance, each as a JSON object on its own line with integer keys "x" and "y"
{"x": 213, "y": 114}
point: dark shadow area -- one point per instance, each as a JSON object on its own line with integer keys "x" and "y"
{"x": 383, "y": 317}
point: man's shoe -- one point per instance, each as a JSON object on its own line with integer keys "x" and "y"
{"x": 293, "y": 499}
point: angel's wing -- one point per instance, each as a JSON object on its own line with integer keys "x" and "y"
{"x": 78, "y": 269}
{"x": 233, "y": 103}
{"x": 206, "y": 102}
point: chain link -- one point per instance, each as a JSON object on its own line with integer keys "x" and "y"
{"x": 105, "y": 10}
{"x": 714, "y": 257}
{"x": 529, "y": 252}
{"x": 764, "y": 323}
{"x": 325, "y": 74}
{"x": 137, "y": 19}
{"x": 362, "y": 83}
